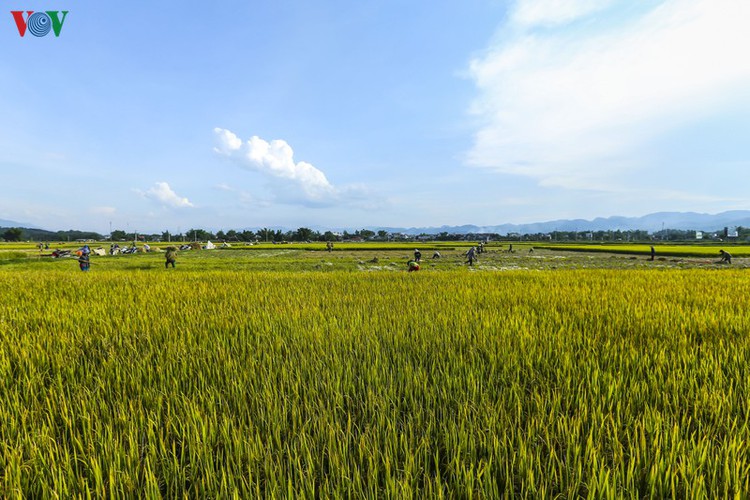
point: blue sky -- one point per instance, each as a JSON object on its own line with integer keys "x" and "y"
{"x": 338, "y": 114}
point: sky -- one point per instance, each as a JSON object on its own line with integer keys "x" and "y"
{"x": 348, "y": 114}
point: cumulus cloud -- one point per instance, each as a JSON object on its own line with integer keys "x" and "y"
{"x": 571, "y": 90}
{"x": 554, "y": 12}
{"x": 290, "y": 181}
{"x": 275, "y": 159}
{"x": 163, "y": 194}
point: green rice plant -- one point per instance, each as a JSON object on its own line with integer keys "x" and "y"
{"x": 12, "y": 255}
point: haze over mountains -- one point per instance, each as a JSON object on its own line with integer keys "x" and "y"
{"x": 10, "y": 223}
{"x": 651, "y": 222}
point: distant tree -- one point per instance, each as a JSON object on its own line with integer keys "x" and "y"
{"x": 13, "y": 234}
{"x": 366, "y": 233}
{"x": 265, "y": 234}
{"x": 118, "y": 235}
{"x": 248, "y": 236}
{"x": 303, "y": 234}
{"x": 328, "y": 236}
{"x": 220, "y": 235}
{"x": 199, "y": 235}
{"x": 37, "y": 234}
{"x": 445, "y": 236}
{"x": 73, "y": 235}
{"x": 640, "y": 235}
{"x": 382, "y": 234}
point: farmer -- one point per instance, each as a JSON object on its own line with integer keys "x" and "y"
{"x": 471, "y": 255}
{"x": 436, "y": 255}
{"x": 413, "y": 265}
{"x": 83, "y": 261}
{"x": 329, "y": 246}
{"x": 417, "y": 255}
{"x": 171, "y": 257}
{"x": 725, "y": 257}
{"x": 653, "y": 252}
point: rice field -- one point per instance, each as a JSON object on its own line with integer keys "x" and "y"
{"x": 303, "y": 374}
{"x": 685, "y": 250}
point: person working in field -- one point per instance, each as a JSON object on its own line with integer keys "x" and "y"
{"x": 171, "y": 257}
{"x": 471, "y": 255}
{"x": 725, "y": 257}
{"x": 413, "y": 265}
{"x": 653, "y": 253}
{"x": 417, "y": 255}
{"x": 83, "y": 261}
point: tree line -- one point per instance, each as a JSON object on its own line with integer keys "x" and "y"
{"x": 301, "y": 234}
{"x": 304, "y": 234}
{"x": 29, "y": 234}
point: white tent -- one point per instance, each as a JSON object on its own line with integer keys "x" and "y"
{"x": 209, "y": 246}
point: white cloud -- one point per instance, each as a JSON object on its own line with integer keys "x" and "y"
{"x": 554, "y": 12}
{"x": 291, "y": 182}
{"x": 162, "y": 193}
{"x": 573, "y": 107}
{"x": 276, "y": 159}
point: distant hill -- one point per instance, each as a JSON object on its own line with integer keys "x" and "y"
{"x": 32, "y": 233}
{"x": 11, "y": 223}
{"x": 651, "y": 222}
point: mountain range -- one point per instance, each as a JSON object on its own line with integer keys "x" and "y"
{"x": 10, "y": 223}
{"x": 651, "y": 222}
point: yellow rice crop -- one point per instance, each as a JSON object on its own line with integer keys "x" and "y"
{"x": 601, "y": 383}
